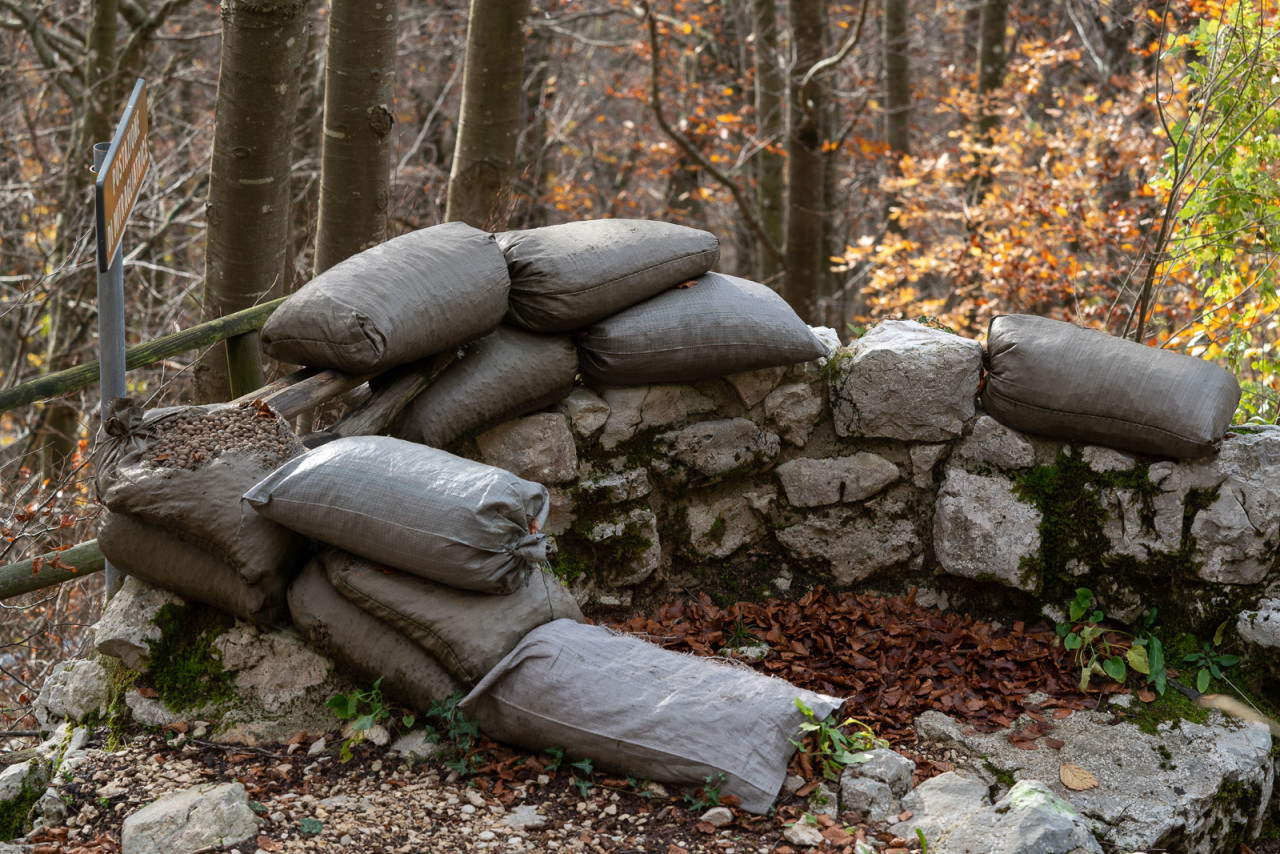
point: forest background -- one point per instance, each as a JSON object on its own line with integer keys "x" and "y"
{"x": 1114, "y": 164}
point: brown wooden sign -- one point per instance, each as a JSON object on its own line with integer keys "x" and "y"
{"x": 121, "y": 174}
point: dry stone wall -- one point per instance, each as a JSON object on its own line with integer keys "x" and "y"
{"x": 875, "y": 468}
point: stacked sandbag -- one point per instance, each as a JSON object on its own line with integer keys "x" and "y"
{"x": 172, "y": 484}
{"x": 504, "y": 375}
{"x": 714, "y": 326}
{"x": 636, "y": 709}
{"x": 414, "y": 296}
{"x": 413, "y": 508}
{"x": 1064, "y": 381}
{"x": 566, "y": 276}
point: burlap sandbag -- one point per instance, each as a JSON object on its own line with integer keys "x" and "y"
{"x": 415, "y": 508}
{"x": 467, "y": 632}
{"x": 138, "y": 548}
{"x": 1064, "y": 381}
{"x": 720, "y": 325}
{"x": 566, "y": 276}
{"x": 410, "y": 297}
{"x": 366, "y": 645}
{"x": 506, "y": 374}
{"x": 183, "y": 469}
{"x": 637, "y": 709}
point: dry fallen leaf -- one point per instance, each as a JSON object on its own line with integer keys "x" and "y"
{"x": 1076, "y": 778}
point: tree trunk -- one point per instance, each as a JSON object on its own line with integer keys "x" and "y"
{"x": 248, "y": 209}
{"x": 805, "y": 257}
{"x": 489, "y": 119}
{"x": 770, "y": 130}
{"x": 991, "y": 67}
{"x": 897, "y": 97}
{"x": 355, "y": 171}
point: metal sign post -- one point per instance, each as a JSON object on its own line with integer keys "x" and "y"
{"x": 120, "y": 165}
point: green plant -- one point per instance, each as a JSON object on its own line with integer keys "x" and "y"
{"x": 556, "y": 752}
{"x": 457, "y": 735}
{"x": 831, "y": 746}
{"x": 924, "y": 843}
{"x": 1209, "y": 663}
{"x": 582, "y": 770}
{"x": 705, "y": 795}
{"x": 1103, "y": 651}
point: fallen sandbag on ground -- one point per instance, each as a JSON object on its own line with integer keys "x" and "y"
{"x": 637, "y": 709}
{"x": 506, "y": 374}
{"x": 414, "y": 508}
{"x": 468, "y": 632}
{"x": 413, "y": 296}
{"x": 1061, "y": 380}
{"x": 365, "y": 644}
{"x": 720, "y": 325}
{"x": 566, "y": 276}
{"x": 157, "y": 557}
{"x": 183, "y": 470}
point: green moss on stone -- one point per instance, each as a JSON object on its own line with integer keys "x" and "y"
{"x": 13, "y": 814}
{"x": 185, "y": 666}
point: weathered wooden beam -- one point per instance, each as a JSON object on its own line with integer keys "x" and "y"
{"x": 210, "y": 332}
{"x": 23, "y": 577}
{"x": 402, "y": 385}
{"x": 292, "y": 397}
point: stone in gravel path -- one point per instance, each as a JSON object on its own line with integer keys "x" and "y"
{"x": 191, "y": 819}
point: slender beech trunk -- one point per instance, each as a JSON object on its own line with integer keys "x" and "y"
{"x": 359, "y": 87}
{"x": 248, "y": 209}
{"x": 771, "y": 117}
{"x": 805, "y": 257}
{"x": 991, "y": 67}
{"x": 897, "y": 97}
{"x": 489, "y": 120}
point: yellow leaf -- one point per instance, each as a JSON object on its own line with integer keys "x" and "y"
{"x": 1076, "y": 778}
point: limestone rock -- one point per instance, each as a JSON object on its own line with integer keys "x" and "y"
{"x": 1237, "y": 535}
{"x": 585, "y": 410}
{"x": 982, "y": 530}
{"x": 1030, "y": 819}
{"x": 815, "y": 483}
{"x": 719, "y": 528}
{"x": 150, "y": 711}
{"x": 1102, "y": 459}
{"x": 717, "y": 816}
{"x": 415, "y": 745}
{"x": 537, "y": 447}
{"x": 710, "y": 451}
{"x": 940, "y": 803}
{"x": 640, "y": 564}
{"x": 560, "y": 517}
{"x": 126, "y": 624}
{"x": 525, "y": 816}
{"x": 275, "y": 669}
{"x": 885, "y": 766}
{"x": 872, "y": 800}
{"x": 1129, "y": 532}
{"x": 635, "y": 409}
{"x": 823, "y": 801}
{"x": 923, "y": 459}
{"x": 754, "y": 386}
{"x": 73, "y": 691}
{"x": 805, "y": 832}
{"x": 204, "y": 816}
{"x": 1230, "y": 548}
{"x": 992, "y": 442}
{"x": 51, "y": 810}
{"x": 856, "y": 545}
{"x": 903, "y": 380}
{"x": 616, "y": 487}
{"x": 793, "y": 410}
{"x": 1261, "y": 626}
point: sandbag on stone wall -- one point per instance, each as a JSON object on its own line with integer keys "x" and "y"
{"x": 566, "y": 276}
{"x": 721, "y": 325}
{"x": 506, "y": 374}
{"x": 365, "y": 644}
{"x": 410, "y": 297}
{"x": 1060, "y": 380}
{"x": 637, "y": 709}
{"x": 414, "y": 508}
{"x": 138, "y": 548}
{"x": 184, "y": 469}
{"x": 467, "y": 632}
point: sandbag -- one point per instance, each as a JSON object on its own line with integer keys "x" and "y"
{"x": 183, "y": 469}
{"x": 1064, "y": 381}
{"x": 506, "y": 374}
{"x": 467, "y": 632}
{"x": 414, "y": 508}
{"x": 566, "y": 276}
{"x": 136, "y": 547}
{"x": 720, "y": 325}
{"x": 408, "y": 298}
{"x": 637, "y": 709}
{"x": 365, "y": 645}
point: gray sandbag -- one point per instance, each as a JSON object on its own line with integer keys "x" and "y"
{"x": 413, "y": 296}
{"x": 566, "y": 276}
{"x": 184, "y": 469}
{"x": 637, "y": 709}
{"x": 506, "y": 374}
{"x": 157, "y": 557}
{"x": 1060, "y": 380}
{"x": 720, "y": 325}
{"x": 415, "y": 508}
{"x": 365, "y": 645}
{"x": 467, "y": 632}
